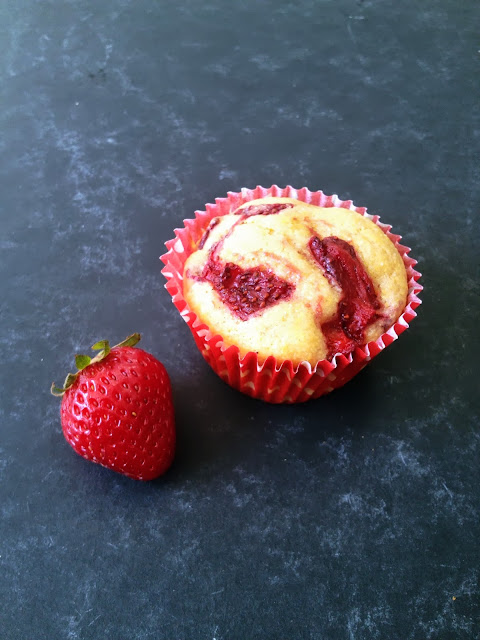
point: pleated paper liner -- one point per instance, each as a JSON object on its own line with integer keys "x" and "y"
{"x": 272, "y": 380}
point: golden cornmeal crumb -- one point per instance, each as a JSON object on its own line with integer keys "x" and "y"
{"x": 284, "y": 278}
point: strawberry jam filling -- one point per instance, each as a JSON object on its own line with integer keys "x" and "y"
{"x": 246, "y": 291}
{"x": 358, "y": 305}
{"x": 204, "y": 238}
{"x": 263, "y": 209}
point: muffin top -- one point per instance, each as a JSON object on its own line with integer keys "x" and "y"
{"x": 302, "y": 283}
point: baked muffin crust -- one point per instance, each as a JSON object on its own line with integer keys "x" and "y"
{"x": 281, "y": 277}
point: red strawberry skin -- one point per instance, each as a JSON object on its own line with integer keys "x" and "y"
{"x": 119, "y": 413}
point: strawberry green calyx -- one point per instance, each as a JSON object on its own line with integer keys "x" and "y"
{"x": 131, "y": 341}
{"x": 83, "y": 361}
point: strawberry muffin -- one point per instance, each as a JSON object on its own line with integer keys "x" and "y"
{"x": 285, "y": 278}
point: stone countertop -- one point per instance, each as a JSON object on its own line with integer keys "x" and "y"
{"x": 353, "y": 516}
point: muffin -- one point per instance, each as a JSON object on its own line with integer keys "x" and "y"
{"x": 288, "y": 297}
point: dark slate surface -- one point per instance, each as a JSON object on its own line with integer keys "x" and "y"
{"x": 355, "y": 516}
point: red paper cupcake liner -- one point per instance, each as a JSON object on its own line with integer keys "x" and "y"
{"x": 271, "y": 380}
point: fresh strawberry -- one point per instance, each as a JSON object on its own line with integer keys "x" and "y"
{"x": 117, "y": 410}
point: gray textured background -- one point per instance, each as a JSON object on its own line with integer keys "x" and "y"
{"x": 355, "y": 516}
